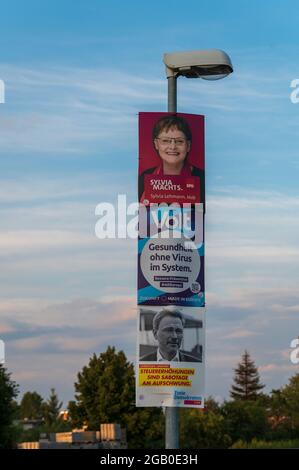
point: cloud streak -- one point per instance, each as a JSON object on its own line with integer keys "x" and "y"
{"x": 70, "y": 110}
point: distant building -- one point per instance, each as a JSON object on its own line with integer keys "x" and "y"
{"x": 27, "y": 424}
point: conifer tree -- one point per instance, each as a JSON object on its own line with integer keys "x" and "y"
{"x": 8, "y": 391}
{"x": 247, "y": 383}
{"x": 51, "y": 408}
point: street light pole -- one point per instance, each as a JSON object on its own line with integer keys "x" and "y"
{"x": 210, "y": 65}
{"x": 172, "y": 414}
{"x": 172, "y": 95}
{"x": 172, "y": 428}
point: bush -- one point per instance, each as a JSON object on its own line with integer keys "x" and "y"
{"x": 203, "y": 430}
{"x": 256, "y": 444}
{"x": 245, "y": 420}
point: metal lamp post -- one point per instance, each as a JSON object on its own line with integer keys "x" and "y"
{"x": 212, "y": 64}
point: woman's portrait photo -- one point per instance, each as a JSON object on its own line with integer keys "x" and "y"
{"x": 172, "y": 145}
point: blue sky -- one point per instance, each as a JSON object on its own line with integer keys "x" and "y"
{"x": 76, "y": 76}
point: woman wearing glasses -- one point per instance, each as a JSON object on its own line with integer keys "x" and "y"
{"x": 172, "y": 141}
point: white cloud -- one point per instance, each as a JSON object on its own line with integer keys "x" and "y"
{"x": 277, "y": 368}
{"x": 97, "y": 314}
{"x": 20, "y": 242}
{"x": 70, "y": 110}
{"x": 239, "y": 333}
{"x": 67, "y": 110}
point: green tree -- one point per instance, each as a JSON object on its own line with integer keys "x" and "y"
{"x": 145, "y": 428}
{"x": 8, "y": 391}
{"x": 77, "y": 414}
{"x": 31, "y": 406}
{"x": 245, "y": 419}
{"x": 104, "y": 390}
{"x": 202, "y": 429}
{"x": 51, "y": 409}
{"x": 247, "y": 384}
{"x": 212, "y": 405}
{"x": 289, "y": 399}
{"x": 277, "y": 415}
{"x": 105, "y": 393}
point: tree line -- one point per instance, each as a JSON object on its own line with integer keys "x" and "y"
{"x": 105, "y": 393}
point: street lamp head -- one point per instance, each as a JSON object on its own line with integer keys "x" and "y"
{"x": 211, "y": 64}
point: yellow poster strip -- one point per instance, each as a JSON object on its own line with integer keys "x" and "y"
{"x": 165, "y": 377}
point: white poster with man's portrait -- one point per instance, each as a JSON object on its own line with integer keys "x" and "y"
{"x": 171, "y": 357}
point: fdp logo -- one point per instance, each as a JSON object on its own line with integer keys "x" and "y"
{"x": 2, "y": 352}
{"x": 294, "y": 355}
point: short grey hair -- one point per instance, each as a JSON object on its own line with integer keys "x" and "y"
{"x": 167, "y": 312}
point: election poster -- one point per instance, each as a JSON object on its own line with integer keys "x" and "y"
{"x": 171, "y": 158}
{"x": 170, "y": 353}
{"x": 171, "y": 213}
{"x": 171, "y": 284}
{"x": 170, "y": 271}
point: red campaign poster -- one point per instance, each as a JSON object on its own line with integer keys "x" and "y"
{"x": 171, "y": 158}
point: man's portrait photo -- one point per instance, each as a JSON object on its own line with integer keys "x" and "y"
{"x": 164, "y": 337}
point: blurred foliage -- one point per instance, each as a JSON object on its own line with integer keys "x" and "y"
{"x": 105, "y": 393}
{"x": 202, "y": 430}
{"x": 244, "y": 419}
{"x": 8, "y": 409}
{"x": 260, "y": 444}
{"x": 31, "y": 406}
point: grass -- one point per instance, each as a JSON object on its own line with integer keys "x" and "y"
{"x": 256, "y": 444}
